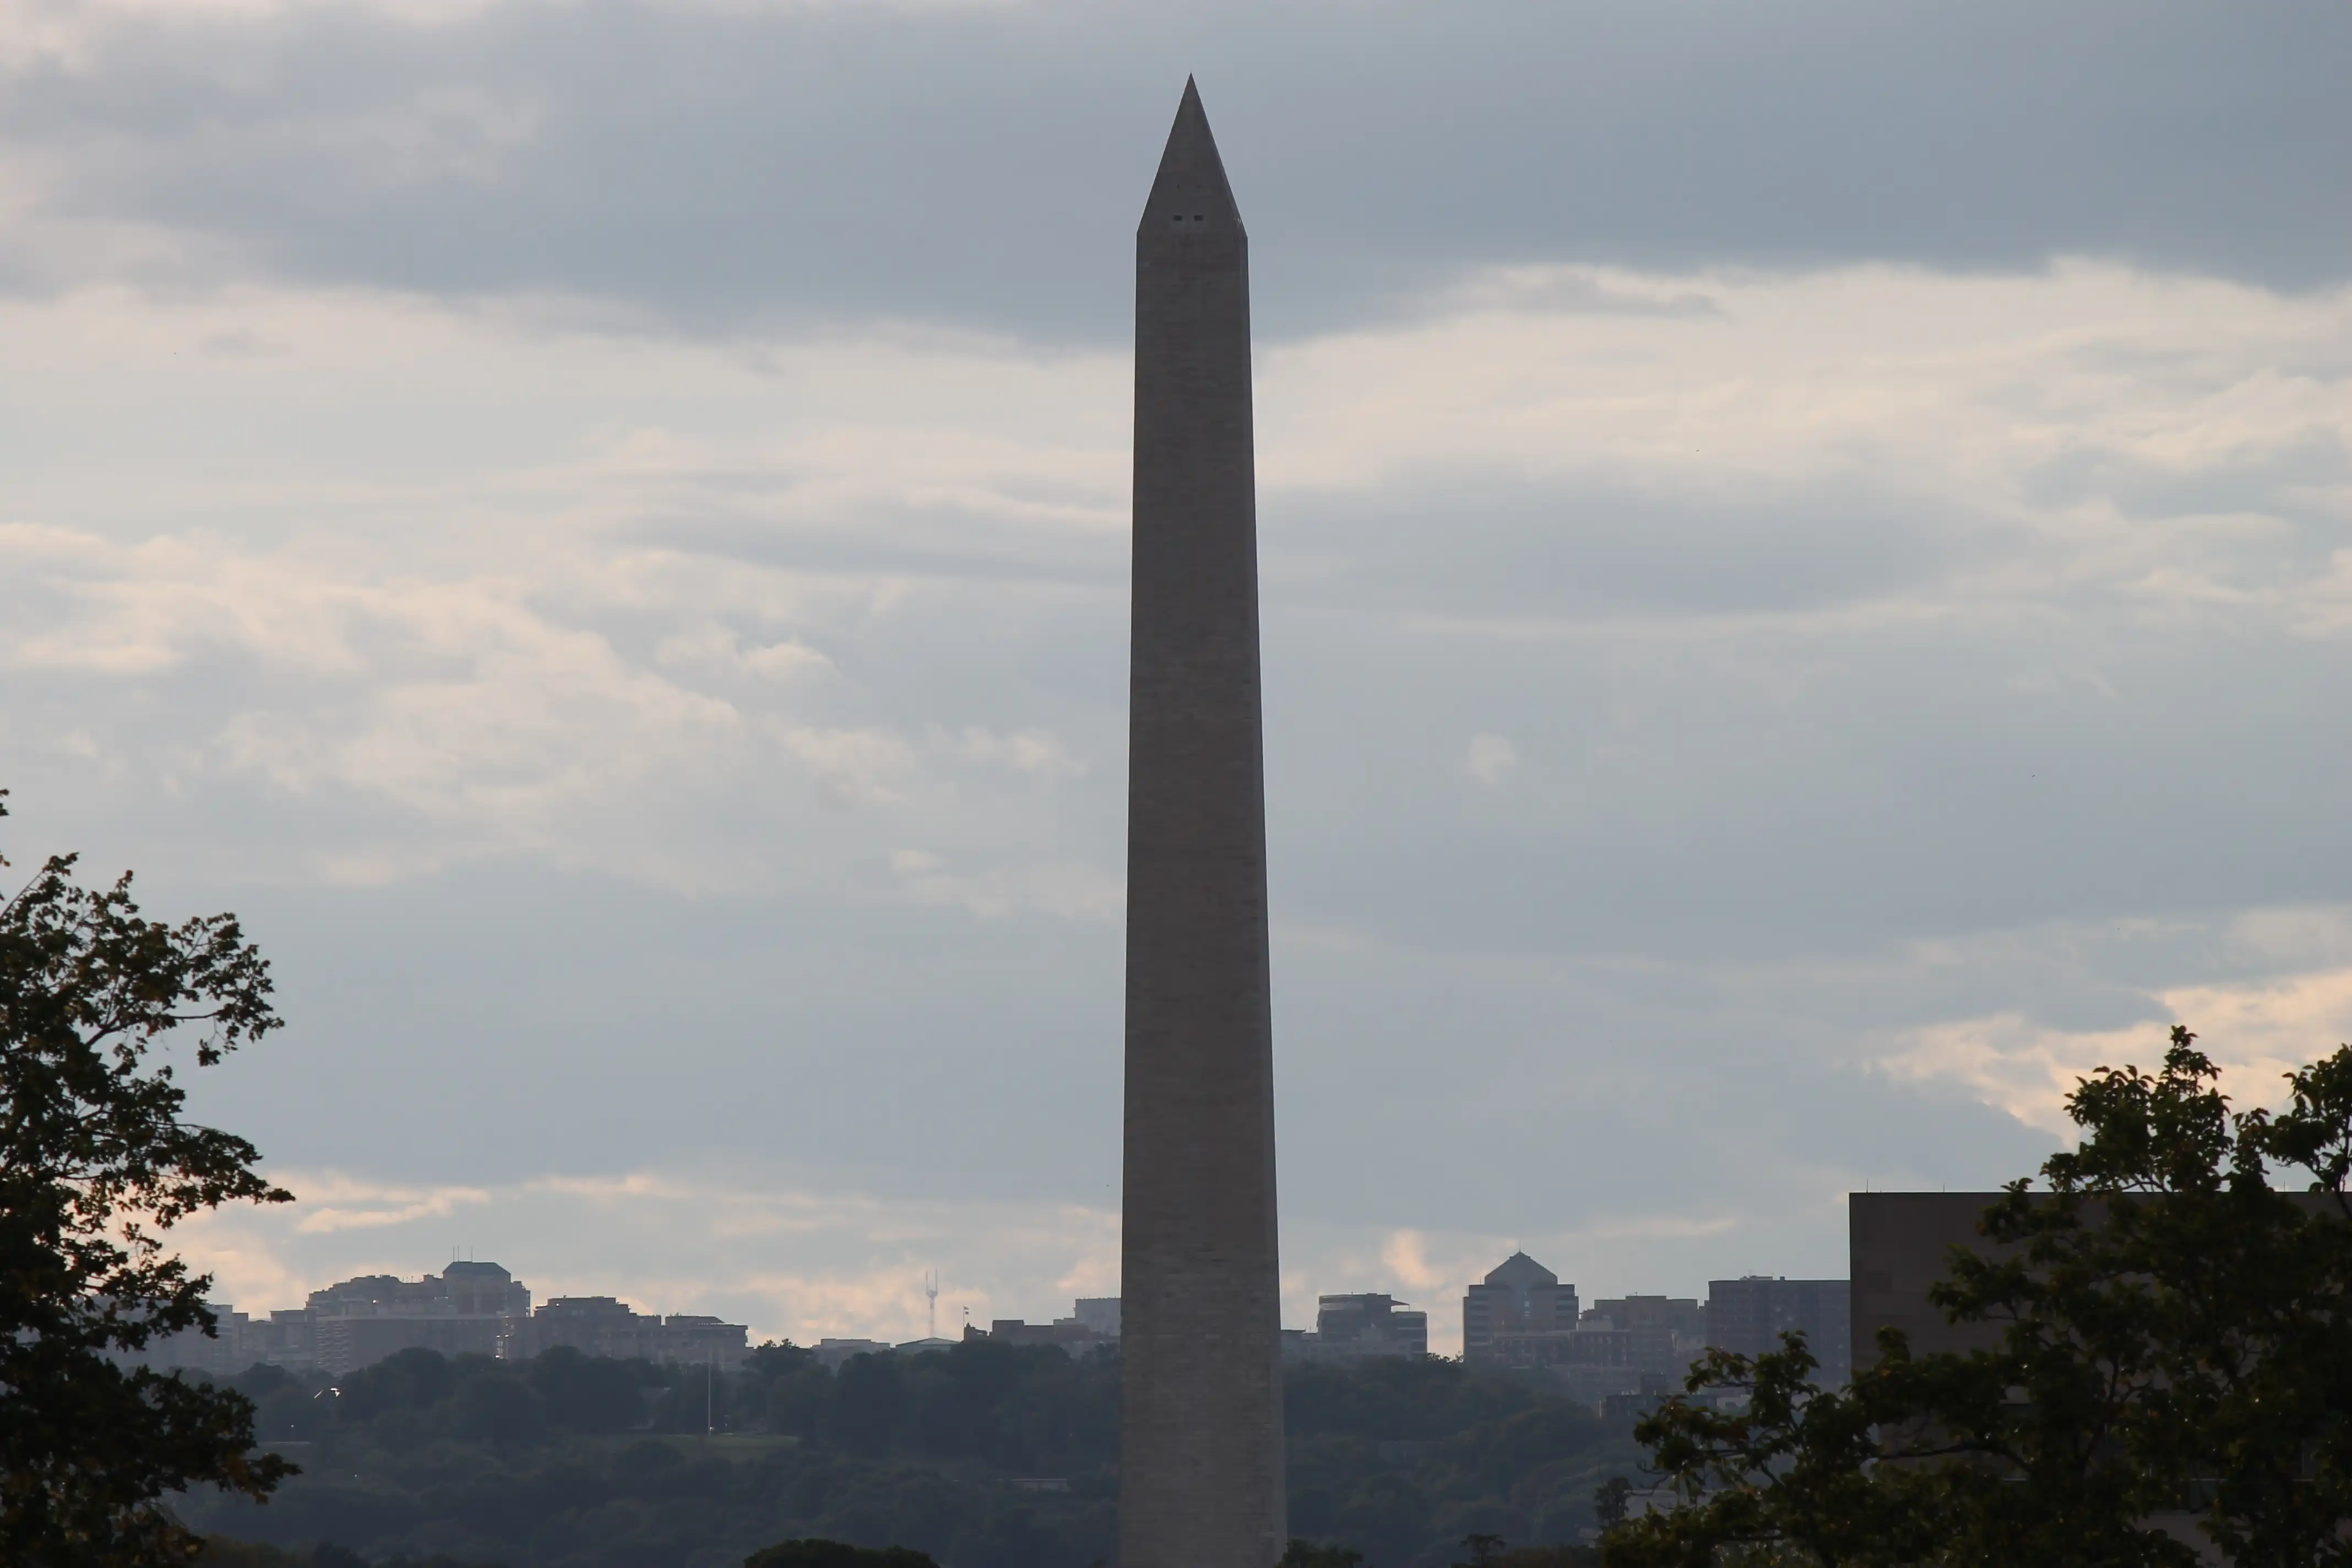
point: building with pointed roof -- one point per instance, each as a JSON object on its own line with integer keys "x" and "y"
{"x": 1519, "y": 1296}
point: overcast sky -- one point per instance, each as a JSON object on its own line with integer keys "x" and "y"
{"x": 1807, "y": 561}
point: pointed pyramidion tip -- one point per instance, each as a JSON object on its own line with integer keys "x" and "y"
{"x": 1191, "y": 195}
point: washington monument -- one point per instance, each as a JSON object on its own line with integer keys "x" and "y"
{"x": 1201, "y": 1330}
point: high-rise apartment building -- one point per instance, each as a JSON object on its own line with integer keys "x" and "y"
{"x": 462, "y": 1310}
{"x": 1750, "y": 1314}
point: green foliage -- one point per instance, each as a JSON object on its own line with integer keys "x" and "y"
{"x": 1490, "y": 1551}
{"x": 1306, "y": 1554}
{"x": 1793, "y": 1476}
{"x": 222, "y": 1554}
{"x": 833, "y": 1554}
{"x": 95, "y": 1162}
{"x": 1404, "y": 1458}
{"x": 568, "y": 1462}
{"x": 2178, "y": 1329}
{"x": 584, "y": 1394}
{"x": 2173, "y": 1342}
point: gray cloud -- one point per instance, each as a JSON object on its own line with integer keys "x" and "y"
{"x": 645, "y": 753}
{"x": 709, "y": 167}
{"x": 1468, "y": 545}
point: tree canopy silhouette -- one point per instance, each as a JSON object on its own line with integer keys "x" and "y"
{"x": 2174, "y": 1357}
{"x": 95, "y": 1163}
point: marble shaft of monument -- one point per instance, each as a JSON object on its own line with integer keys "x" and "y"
{"x": 1200, "y": 1327}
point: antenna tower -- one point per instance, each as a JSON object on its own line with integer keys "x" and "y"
{"x": 931, "y": 1302}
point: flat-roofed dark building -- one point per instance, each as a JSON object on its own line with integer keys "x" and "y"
{"x": 1367, "y": 1324}
{"x": 1900, "y": 1244}
{"x": 1678, "y": 1315}
{"x": 1749, "y": 1315}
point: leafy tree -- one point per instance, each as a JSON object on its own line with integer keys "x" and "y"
{"x": 2173, "y": 1342}
{"x": 1308, "y": 1555}
{"x": 1397, "y": 1460}
{"x": 95, "y": 1163}
{"x": 866, "y": 1400}
{"x": 501, "y": 1410}
{"x": 220, "y": 1553}
{"x": 586, "y": 1394}
{"x": 1788, "y": 1477}
{"x": 833, "y": 1554}
{"x": 412, "y": 1379}
{"x": 2182, "y": 1323}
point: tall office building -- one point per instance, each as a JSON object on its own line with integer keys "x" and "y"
{"x": 1519, "y": 1296}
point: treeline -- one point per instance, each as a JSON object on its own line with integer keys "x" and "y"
{"x": 983, "y": 1456}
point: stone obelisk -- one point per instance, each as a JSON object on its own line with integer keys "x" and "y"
{"x": 1200, "y": 1323}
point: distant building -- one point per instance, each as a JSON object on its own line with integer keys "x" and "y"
{"x": 1681, "y": 1316}
{"x": 1596, "y": 1360}
{"x": 601, "y": 1326}
{"x": 1593, "y": 1344}
{"x": 697, "y": 1340}
{"x": 218, "y": 1354}
{"x": 1347, "y": 1328}
{"x": 1750, "y": 1314}
{"x": 462, "y": 1289}
{"x": 1092, "y": 1326}
{"x": 832, "y": 1353}
{"x": 1902, "y": 1245}
{"x": 1520, "y": 1296}
{"x": 1371, "y": 1325}
{"x": 462, "y": 1310}
{"x": 468, "y": 1309}
{"x": 286, "y": 1338}
{"x": 1019, "y": 1332}
{"x": 349, "y": 1342}
{"x": 1069, "y": 1335}
{"x": 1098, "y": 1315}
{"x": 1521, "y": 1317}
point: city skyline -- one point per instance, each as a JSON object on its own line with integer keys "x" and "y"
{"x": 1323, "y": 1295}
{"x": 1802, "y": 607}
{"x": 896, "y": 1310}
